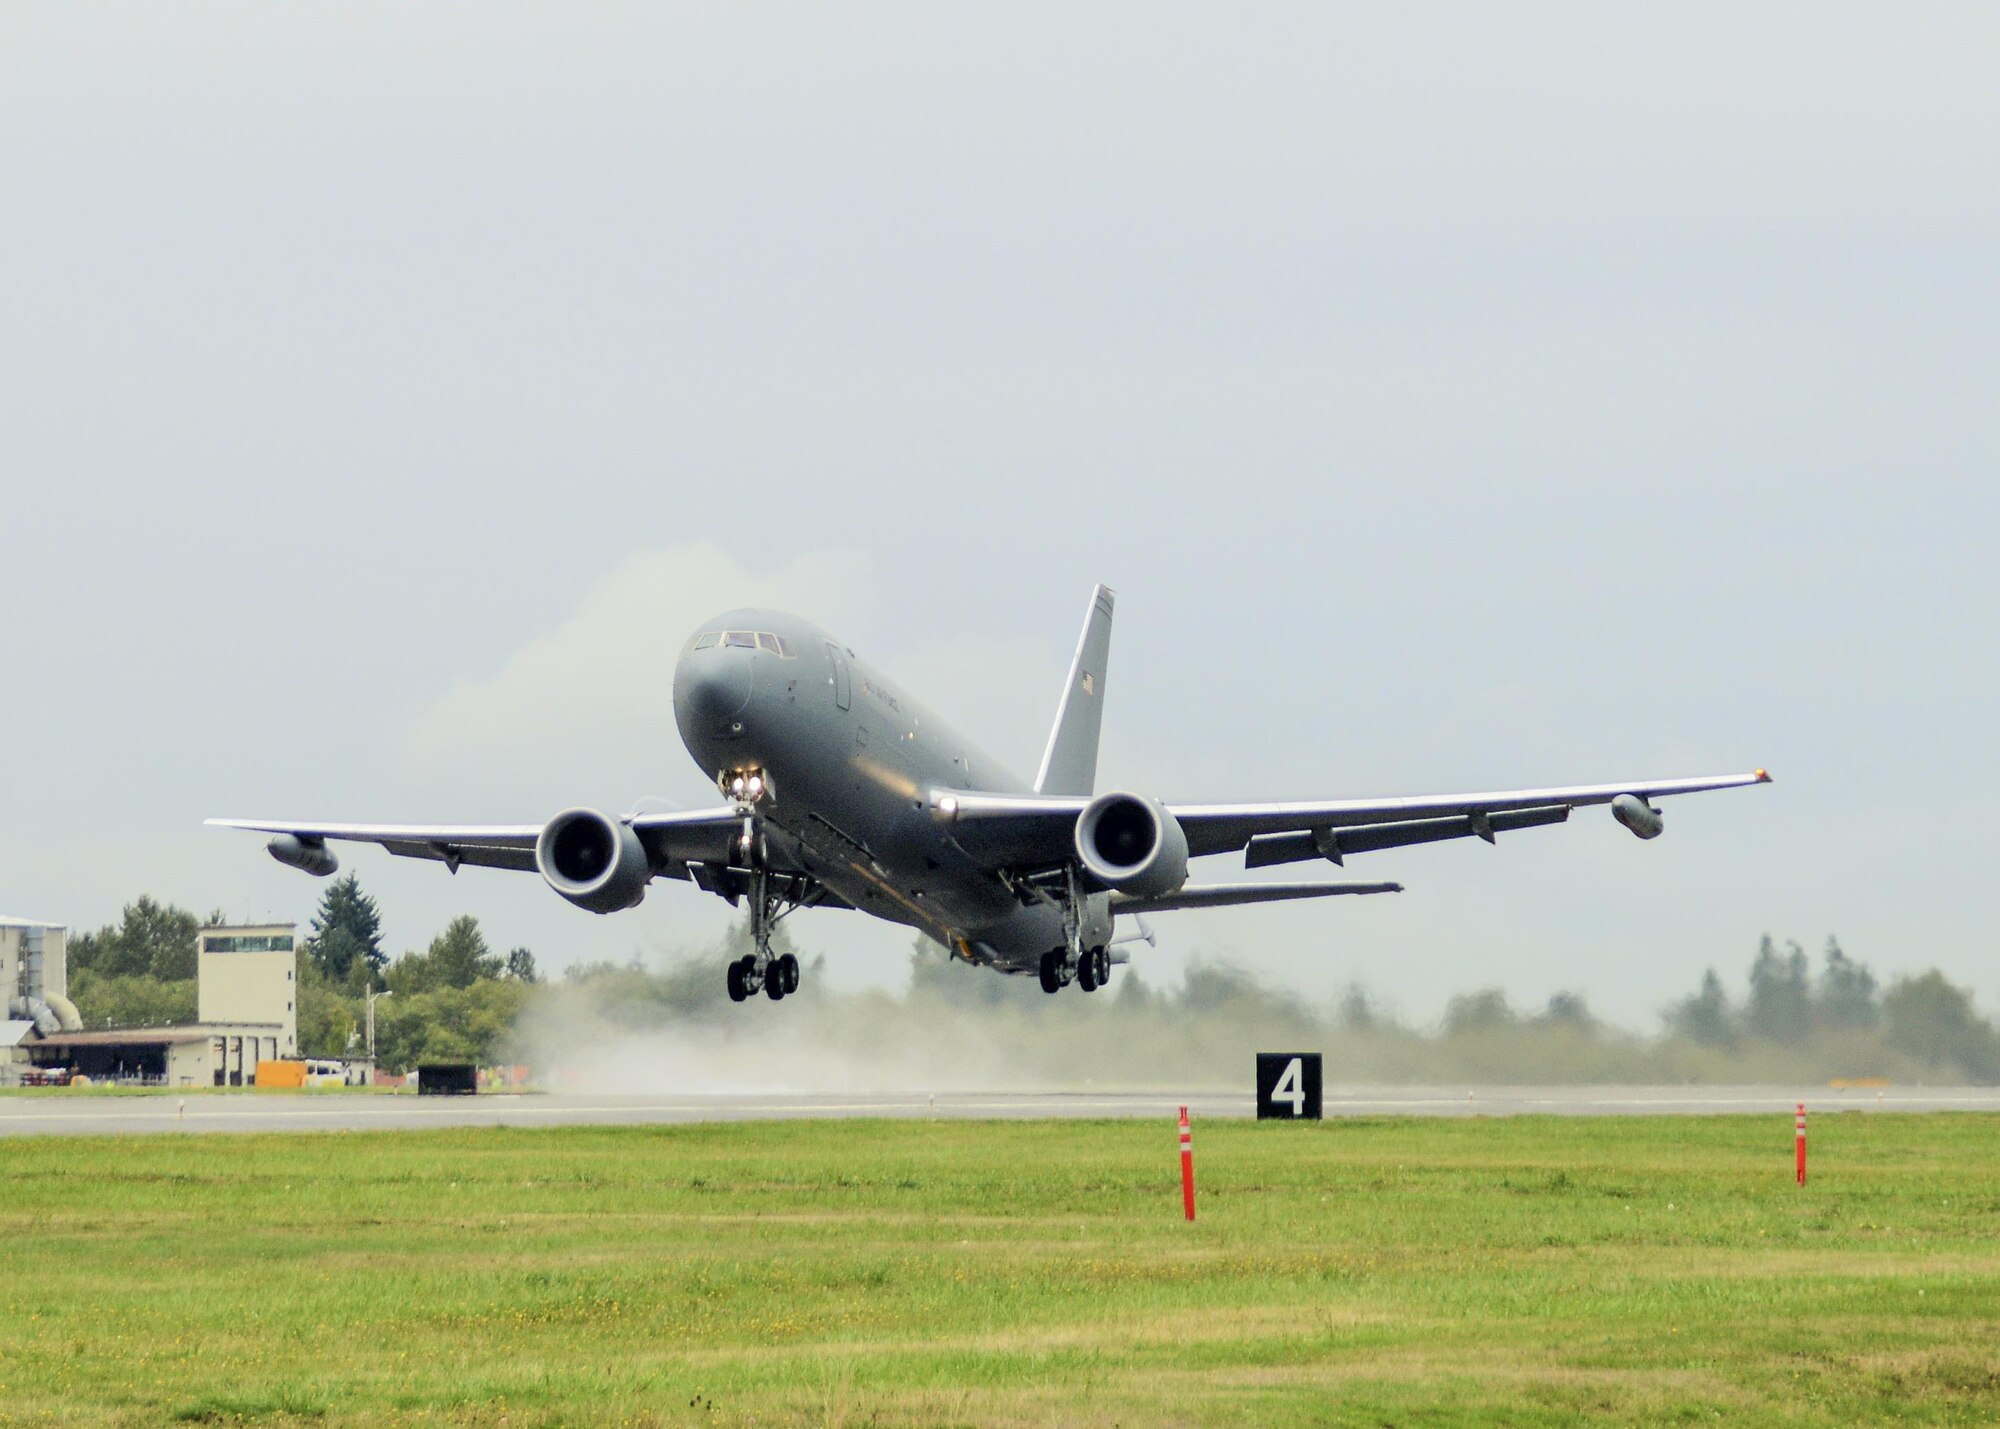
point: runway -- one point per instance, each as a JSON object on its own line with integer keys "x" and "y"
{"x": 68, "y": 1114}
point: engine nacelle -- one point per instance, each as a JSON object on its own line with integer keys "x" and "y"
{"x": 1637, "y": 815}
{"x": 306, "y": 855}
{"x": 1132, "y": 844}
{"x": 593, "y": 860}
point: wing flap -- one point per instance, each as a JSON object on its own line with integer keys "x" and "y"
{"x": 1267, "y": 850}
{"x": 519, "y": 860}
{"x": 1226, "y": 895}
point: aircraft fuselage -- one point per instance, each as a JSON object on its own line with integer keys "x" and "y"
{"x": 848, "y": 758}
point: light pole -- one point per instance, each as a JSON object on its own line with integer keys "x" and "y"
{"x": 372, "y": 995}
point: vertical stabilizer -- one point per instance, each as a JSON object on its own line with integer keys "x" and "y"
{"x": 1069, "y": 765}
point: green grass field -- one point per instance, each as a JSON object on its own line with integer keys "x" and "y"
{"x": 1517, "y": 1271}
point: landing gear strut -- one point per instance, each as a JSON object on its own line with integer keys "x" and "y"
{"x": 776, "y": 977}
{"x": 1089, "y": 968}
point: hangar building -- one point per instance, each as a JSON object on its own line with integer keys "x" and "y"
{"x": 246, "y": 1003}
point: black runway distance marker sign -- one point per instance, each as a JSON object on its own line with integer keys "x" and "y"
{"x": 1288, "y": 1086}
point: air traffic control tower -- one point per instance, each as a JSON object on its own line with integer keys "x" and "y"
{"x": 248, "y": 974}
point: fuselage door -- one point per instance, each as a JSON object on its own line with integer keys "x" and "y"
{"x": 843, "y": 686}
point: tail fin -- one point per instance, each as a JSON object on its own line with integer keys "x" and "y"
{"x": 1069, "y": 766}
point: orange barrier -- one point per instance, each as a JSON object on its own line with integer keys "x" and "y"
{"x": 281, "y": 1074}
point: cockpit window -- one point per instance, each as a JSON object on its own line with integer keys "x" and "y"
{"x": 746, "y": 640}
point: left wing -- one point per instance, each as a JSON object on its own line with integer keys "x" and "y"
{"x": 1016, "y": 831}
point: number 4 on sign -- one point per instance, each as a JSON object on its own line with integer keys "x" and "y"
{"x": 1291, "y": 1086}
{"x": 1288, "y": 1086}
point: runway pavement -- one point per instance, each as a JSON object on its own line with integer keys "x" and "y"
{"x": 59, "y": 1113}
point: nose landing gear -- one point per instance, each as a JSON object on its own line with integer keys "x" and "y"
{"x": 771, "y": 899}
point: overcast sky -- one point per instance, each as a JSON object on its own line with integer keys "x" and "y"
{"x": 1458, "y": 397}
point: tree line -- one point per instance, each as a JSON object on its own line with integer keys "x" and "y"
{"x": 458, "y": 1000}
{"x": 455, "y": 1001}
{"x": 966, "y": 1026}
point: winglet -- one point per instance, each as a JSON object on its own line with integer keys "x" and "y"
{"x": 1069, "y": 764}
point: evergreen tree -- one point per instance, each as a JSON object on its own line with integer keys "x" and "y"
{"x": 1780, "y": 995}
{"x": 1933, "y": 1021}
{"x": 347, "y": 928}
{"x": 1483, "y": 1011}
{"x": 459, "y": 955}
{"x": 1846, "y": 990}
{"x": 1568, "y": 1009}
{"x": 1704, "y": 1018}
{"x": 521, "y": 966}
{"x": 1358, "y": 1012}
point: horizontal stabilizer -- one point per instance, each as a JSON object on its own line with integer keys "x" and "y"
{"x": 1223, "y": 895}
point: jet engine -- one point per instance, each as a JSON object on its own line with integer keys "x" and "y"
{"x": 1132, "y": 844}
{"x": 593, "y": 860}
{"x": 307, "y": 855}
{"x": 1637, "y": 815}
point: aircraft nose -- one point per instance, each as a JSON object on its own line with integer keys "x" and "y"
{"x": 711, "y": 688}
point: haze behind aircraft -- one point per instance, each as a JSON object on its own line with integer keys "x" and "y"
{"x": 844, "y": 792}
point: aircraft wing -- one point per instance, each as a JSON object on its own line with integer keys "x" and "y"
{"x": 1029, "y": 831}
{"x": 672, "y": 840}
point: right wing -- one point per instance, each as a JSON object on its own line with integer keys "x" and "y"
{"x": 672, "y": 840}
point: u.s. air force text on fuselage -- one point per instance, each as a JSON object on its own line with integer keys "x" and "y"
{"x": 841, "y": 790}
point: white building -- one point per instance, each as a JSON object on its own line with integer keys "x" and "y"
{"x": 247, "y": 1006}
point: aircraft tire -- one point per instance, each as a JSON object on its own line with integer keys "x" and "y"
{"x": 737, "y": 992}
{"x": 1102, "y": 958}
{"x": 1051, "y": 974}
{"x": 789, "y": 967}
{"x": 774, "y": 981}
{"x": 1086, "y": 971}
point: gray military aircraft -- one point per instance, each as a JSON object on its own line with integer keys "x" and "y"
{"x": 842, "y": 791}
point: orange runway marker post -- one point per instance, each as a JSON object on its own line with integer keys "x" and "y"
{"x": 1799, "y": 1139}
{"x": 1187, "y": 1165}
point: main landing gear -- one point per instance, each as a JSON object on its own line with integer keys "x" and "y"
{"x": 1090, "y": 971}
{"x": 1089, "y": 967}
{"x": 775, "y": 976}
{"x": 778, "y": 977}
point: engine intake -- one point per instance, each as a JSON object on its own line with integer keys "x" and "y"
{"x": 593, "y": 860}
{"x": 1132, "y": 844}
